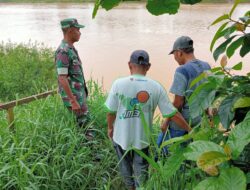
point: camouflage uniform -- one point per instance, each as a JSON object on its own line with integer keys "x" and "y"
{"x": 68, "y": 63}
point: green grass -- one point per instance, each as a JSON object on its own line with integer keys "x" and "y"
{"x": 26, "y": 69}
{"x": 47, "y": 151}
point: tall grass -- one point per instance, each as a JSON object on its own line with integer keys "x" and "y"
{"x": 26, "y": 69}
{"x": 47, "y": 151}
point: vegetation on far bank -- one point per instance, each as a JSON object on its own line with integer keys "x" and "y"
{"x": 26, "y": 69}
{"x": 84, "y": 1}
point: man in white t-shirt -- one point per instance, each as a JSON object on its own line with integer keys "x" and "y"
{"x": 131, "y": 103}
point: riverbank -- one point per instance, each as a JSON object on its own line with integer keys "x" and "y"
{"x": 84, "y": 1}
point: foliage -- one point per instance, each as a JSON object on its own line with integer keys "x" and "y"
{"x": 47, "y": 151}
{"x": 229, "y": 94}
{"x": 26, "y": 69}
{"x": 235, "y": 33}
{"x": 155, "y": 7}
{"x": 223, "y": 156}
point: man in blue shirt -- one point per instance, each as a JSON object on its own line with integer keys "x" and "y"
{"x": 189, "y": 69}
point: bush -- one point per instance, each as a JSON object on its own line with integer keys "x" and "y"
{"x": 26, "y": 69}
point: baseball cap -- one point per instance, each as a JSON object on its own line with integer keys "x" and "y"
{"x": 70, "y": 22}
{"x": 182, "y": 42}
{"x": 140, "y": 57}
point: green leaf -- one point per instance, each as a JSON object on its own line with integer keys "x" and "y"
{"x": 239, "y": 137}
{"x": 210, "y": 183}
{"x": 190, "y": 2}
{"x": 229, "y": 179}
{"x": 211, "y": 158}
{"x": 173, "y": 164}
{"x": 197, "y": 148}
{"x": 236, "y": 2}
{"x": 238, "y": 66}
{"x": 221, "y": 48}
{"x": 216, "y": 69}
{"x": 225, "y": 112}
{"x": 96, "y": 7}
{"x": 223, "y": 17}
{"x": 109, "y": 4}
{"x": 176, "y": 140}
{"x": 218, "y": 34}
{"x": 201, "y": 98}
{"x": 245, "y": 19}
{"x": 149, "y": 159}
{"x": 246, "y": 46}
{"x": 242, "y": 103}
{"x": 159, "y": 7}
{"x": 197, "y": 79}
{"x": 233, "y": 46}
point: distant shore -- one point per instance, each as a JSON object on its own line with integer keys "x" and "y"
{"x": 87, "y": 1}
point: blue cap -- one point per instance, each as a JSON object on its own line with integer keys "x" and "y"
{"x": 140, "y": 57}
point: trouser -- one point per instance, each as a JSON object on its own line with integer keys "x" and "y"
{"x": 172, "y": 134}
{"x": 133, "y": 167}
{"x": 82, "y": 119}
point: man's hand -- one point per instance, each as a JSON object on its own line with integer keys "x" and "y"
{"x": 75, "y": 106}
{"x": 164, "y": 126}
{"x": 110, "y": 132}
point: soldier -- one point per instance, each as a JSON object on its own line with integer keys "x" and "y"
{"x": 72, "y": 85}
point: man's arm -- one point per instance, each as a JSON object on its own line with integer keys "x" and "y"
{"x": 63, "y": 80}
{"x": 178, "y": 102}
{"x": 111, "y": 119}
{"x": 177, "y": 118}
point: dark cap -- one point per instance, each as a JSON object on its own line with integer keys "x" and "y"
{"x": 70, "y": 22}
{"x": 182, "y": 42}
{"x": 140, "y": 57}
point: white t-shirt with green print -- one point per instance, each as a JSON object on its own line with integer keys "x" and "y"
{"x": 134, "y": 100}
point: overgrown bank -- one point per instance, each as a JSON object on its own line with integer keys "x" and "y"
{"x": 84, "y": 1}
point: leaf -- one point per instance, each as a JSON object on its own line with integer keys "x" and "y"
{"x": 238, "y": 66}
{"x": 223, "y": 61}
{"x": 233, "y": 46}
{"x": 176, "y": 140}
{"x": 96, "y": 7}
{"x": 245, "y": 19}
{"x": 221, "y": 48}
{"x": 211, "y": 159}
{"x": 227, "y": 150}
{"x": 201, "y": 98}
{"x": 190, "y": 2}
{"x": 217, "y": 35}
{"x": 245, "y": 46}
{"x": 159, "y": 7}
{"x": 109, "y": 4}
{"x": 229, "y": 179}
{"x": 212, "y": 170}
{"x": 225, "y": 112}
{"x": 242, "y": 103}
{"x": 216, "y": 69}
{"x": 236, "y": 2}
{"x": 197, "y": 79}
{"x": 210, "y": 183}
{"x": 197, "y": 148}
{"x": 146, "y": 157}
{"x": 173, "y": 164}
{"x": 223, "y": 17}
{"x": 239, "y": 137}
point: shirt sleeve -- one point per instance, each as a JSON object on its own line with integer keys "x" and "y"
{"x": 112, "y": 100}
{"x": 166, "y": 107}
{"x": 62, "y": 62}
{"x": 179, "y": 85}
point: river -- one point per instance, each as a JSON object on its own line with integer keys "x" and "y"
{"x": 108, "y": 40}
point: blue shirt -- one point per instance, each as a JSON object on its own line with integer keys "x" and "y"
{"x": 183, "y": 77}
